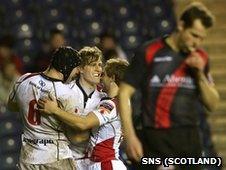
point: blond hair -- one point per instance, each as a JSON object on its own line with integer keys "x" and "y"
{"x": 89, "y": 55}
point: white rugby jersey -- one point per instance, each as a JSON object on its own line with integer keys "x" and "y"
{"x": 106, "y": 139}
{"x": 43, "y": 140}
{"x": 84, "y": 105}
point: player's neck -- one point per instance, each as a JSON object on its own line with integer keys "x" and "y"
{"x": 113, "y": 90}
{"x": 53, "y": 74}
{"x": 87, "y": 87}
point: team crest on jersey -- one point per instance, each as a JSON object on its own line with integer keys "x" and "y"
{"x": 42, "y": 83}
{"x": 105, "y": 108}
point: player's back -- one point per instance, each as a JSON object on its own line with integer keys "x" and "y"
{"x": 43, "y": 138}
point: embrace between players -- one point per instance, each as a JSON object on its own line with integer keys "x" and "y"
{"x": 66, "y": 107}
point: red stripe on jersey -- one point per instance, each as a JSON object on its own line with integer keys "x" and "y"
{"x": 163, "y": 105}
{"x": 203, "y": 54}
{"x": 103, "y": 151}
{"x": 152, "y": 49}
{"x": 106, "y": 165}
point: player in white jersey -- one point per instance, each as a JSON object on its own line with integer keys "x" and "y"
{"x": 106, "y": 134}
{"x": 88, "y": 97}
{"x": 44, "y": 145}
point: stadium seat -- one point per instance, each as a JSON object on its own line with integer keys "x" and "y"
{"x": 8, "y": 161}
{"x": 130, "y": 42}
{"x": 164, "y": 26}
{"x": 10, "y": 144}
{"x": 10, "y": 127}
{"x": 23, "y": 30}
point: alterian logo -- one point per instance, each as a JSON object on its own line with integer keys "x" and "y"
{"x": 172, "y": 81}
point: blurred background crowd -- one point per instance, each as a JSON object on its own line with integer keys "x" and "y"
{"x": 30, "y": 30}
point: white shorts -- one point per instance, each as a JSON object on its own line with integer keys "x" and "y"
{"x": 109, "y": 165}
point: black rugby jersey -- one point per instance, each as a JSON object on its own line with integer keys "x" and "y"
{"x": 168, "y": 85}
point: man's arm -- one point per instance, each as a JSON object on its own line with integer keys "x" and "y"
{"x": 133, "y": 145}
{"x": 74, "y": 121}
{"x": 209, "y": 95}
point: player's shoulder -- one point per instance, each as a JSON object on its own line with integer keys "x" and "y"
{"x": 202, "y": 52}
{"x": 63, "y": 88}
{"x": 27, "y": 76}
{"x": 153, "y": 43}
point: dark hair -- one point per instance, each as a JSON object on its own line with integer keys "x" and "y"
{"x": 197, "y": 10}
{"x": 64, "y": 60}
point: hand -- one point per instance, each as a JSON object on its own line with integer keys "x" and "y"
{"x": 47, "y": 106}
{"x": 195, "y": 61}
{"x": 134, "y": 149}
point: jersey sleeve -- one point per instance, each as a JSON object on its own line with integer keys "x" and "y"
{"x": 14, "y": 89}
{"x": 106, "y": 111}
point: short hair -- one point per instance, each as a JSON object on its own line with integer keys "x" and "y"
{"x": 116, "y": 67}
{"x": 197, "y": 10}
{"x": 89, "y": 55}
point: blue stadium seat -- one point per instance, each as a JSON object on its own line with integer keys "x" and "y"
{"x": 23, "y": 30}
{"x": 94, "y": 28}
{"x": 52, "y": 14}
{"x": 131, "y": 41}
{"x": 130, "y": 26}
{"x": 88, "y": 13}
{"x": 49, "y": 3}
{"x": 163, "y": 27}
{"x": 10, "y": 127}
{"x": 123, "y": 12}
{"x": 82, "y": 21}
{"x": 10, "y": 144}
{"x": 8, "y": 161}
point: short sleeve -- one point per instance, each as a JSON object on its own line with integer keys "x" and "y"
{"x": 106, "y": 111}
{"x": 14, "y": 89}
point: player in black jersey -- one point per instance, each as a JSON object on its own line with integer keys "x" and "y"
{"x": 172, "y": 73}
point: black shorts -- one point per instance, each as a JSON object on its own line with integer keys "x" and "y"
{"x": 174, "y": 142}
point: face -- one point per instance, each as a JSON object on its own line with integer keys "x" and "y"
{"x": 108, "y": 43}
{"x": 106, "y": 80}
{"x": 91, "y": 73}
{"x": 191, "y": 38}
{"x": 57, "y": 41}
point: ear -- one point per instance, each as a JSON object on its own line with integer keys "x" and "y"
{"x": 180, "y": 25}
